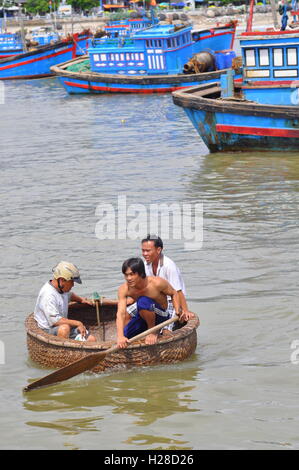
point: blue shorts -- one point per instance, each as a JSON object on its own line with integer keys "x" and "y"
{"x": 137, "y": 325}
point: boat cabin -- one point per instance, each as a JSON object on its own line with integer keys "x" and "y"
{"x": 10, "y": 42}
{"x": 44, "y": 35}
{"x": 270, "y": 59}
{"x": 125, "y": 27}
{"x": 160, "y": 49}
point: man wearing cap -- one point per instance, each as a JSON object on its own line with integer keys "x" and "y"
{"x": 51, "y": 307}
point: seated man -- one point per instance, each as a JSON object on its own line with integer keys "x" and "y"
{"x": 150, "y": 294}
{"x": 51, "y": 309}
{"x": 158, "y": 264}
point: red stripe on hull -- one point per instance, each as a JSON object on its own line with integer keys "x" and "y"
{"x": 274, "y": 84}
{"x": 28, "y": 77}
{"x": 122, "y": 90}
{"x": 291, "y": 133}
{"x": 30, "y": 61}
{"x": 9, "y": 55}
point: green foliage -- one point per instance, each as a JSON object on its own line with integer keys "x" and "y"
{"x": 43, "y": 6}
{"x": 84, "y": 5}
{"x": 37, "y": 6}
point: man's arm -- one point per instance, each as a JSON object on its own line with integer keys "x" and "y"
{"x": 179, "y": 302}
{"x": 80, "y": 300}
{"x": 122, "y": 341}
{"x": 167, "y": 289}
{"x": 185, "y": 312}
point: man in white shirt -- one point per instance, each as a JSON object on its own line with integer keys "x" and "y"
{"x": 51, "y": 307}
{"x": 157, "y": 264}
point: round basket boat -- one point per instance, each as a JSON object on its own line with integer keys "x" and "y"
{"x": 53, "y": 352}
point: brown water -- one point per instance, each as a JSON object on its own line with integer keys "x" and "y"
{"x": 61, "y": 157}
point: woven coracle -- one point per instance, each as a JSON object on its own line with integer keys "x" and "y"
{"x": 53, "y": 352}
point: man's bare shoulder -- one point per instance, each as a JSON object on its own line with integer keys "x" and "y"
{"x": 157, "y": 281}
{"x": 123, "y": 289}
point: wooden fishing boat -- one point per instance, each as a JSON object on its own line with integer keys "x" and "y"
{"x": 158, "y": 59}
{"x": 10, "y": 44}
{"x": 36, "y": 63}
{"x": 53, "y": 352}
{"x": 260, "y": 112}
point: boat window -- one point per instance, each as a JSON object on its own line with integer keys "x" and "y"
{"x": 278, "y": 57}
{"x": 285, "y": 73}
{"x": 168, "y": 43}
{"x": 264, "y": 57}
{"x": 103, "y": 57}
{"x": 250, "y": 57}
{"x": 292, "y": 58}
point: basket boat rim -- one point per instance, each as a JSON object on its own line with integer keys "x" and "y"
{"x": 34, "y": 331}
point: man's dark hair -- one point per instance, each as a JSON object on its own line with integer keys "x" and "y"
{"x": 154, "y": 238}
{"x": 136, "y": 265}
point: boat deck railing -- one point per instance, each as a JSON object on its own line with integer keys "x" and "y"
{"x": 119, "y": 41}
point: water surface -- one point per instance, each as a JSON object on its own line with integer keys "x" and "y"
{"x": 62, "y": 156}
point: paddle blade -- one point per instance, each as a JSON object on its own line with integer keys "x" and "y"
{"x": 75, "y": 368}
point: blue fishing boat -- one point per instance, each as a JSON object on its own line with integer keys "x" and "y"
{"x": 10, "y": 44}
{"x": 158, "y": 59}
{"x": 36, "y": 63}
{"x": 13, "y": 43}
{"x": 128, "y": 25}
{"x": 260, "y": 111}
{"x": 44, "y": 35}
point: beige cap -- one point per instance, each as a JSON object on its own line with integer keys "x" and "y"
{"x": 67, "y": 271}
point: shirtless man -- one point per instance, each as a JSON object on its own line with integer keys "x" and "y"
{"x": 158, "y": 264}
{"x": 150, "y": 293}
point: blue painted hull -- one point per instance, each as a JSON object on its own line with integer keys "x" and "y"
{"x": 10, "y": 53}
{"x": 37, "y": 63}
{"x": 10, "y": 44}
{"x": 231, "y": 125}
{"x": 97, "y": 83}
{"x": 142, "y": 67}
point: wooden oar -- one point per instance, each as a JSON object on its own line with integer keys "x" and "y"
{"x": 89, "y": 361}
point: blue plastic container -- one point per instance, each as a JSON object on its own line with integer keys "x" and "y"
{"x": 224, "y": 59}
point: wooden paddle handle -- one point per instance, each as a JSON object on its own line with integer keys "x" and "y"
{"x": 154, "y": 329}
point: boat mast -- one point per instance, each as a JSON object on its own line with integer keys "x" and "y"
{"x": 274, "y": 14}
{"x": 250, "y": 16}
{"x": 22, "y": 30}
